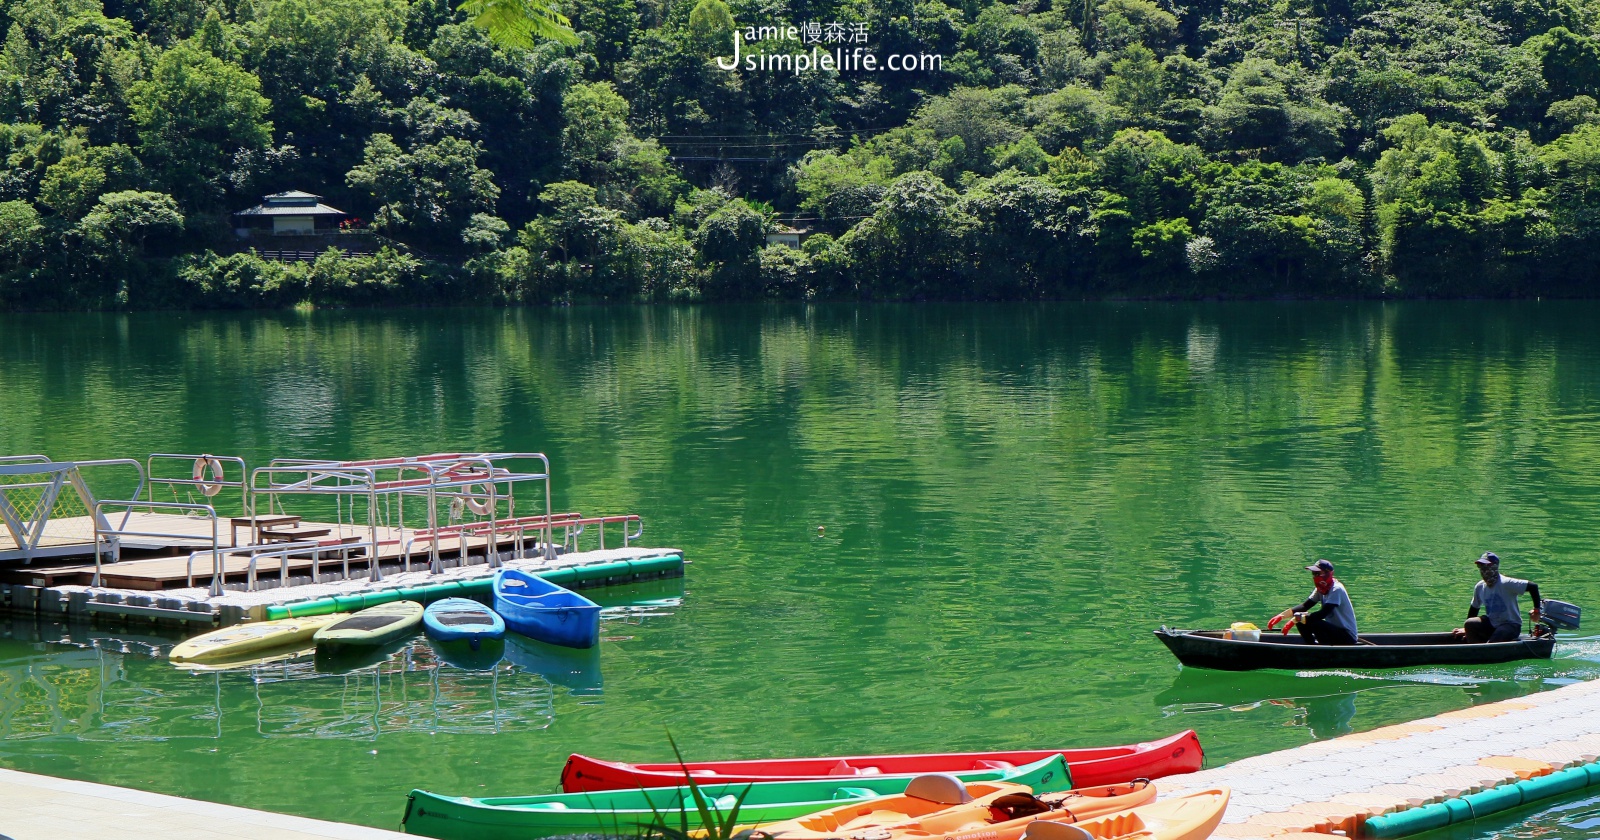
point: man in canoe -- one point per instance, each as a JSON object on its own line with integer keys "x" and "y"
{"x": 1335, "y": 623}
{"x": 1497, "y": 595}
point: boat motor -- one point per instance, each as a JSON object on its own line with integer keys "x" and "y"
{"x": 1557, "y": 615}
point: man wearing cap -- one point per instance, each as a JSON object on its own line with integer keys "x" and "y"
{"x": 1335, "y": 623}
{"x": 1497, "y": 595}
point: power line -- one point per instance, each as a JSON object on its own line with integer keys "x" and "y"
{"x": 745, "y": 145}
{"x": 768, "y": 134}
{"x": 676, "y": 158}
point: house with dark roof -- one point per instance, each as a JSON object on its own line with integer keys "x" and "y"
{"x": 782, "y": 234}
{"x": 291, "y": 213}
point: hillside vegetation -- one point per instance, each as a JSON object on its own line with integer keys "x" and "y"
{"x": 1103, "y": 148}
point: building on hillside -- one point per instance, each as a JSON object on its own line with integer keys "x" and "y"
{"x": 291, "y": 213}
{"x": 782, "y": 234}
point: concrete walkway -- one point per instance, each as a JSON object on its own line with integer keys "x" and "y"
{"x": 1335, "y": 785}
{"x": 44, "y": 808}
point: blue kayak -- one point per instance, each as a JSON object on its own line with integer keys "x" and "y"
{"x": 541, "y": 610}
{"x": 462, "y": 619}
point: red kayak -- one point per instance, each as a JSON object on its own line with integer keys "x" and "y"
{"x": 1093, "y": 767}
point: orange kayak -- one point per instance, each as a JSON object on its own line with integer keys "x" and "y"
{"x": 1192, "y": 816}
{"x": 932, "y": 806}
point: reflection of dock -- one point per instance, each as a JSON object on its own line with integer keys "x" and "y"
{"x": 1338, "y": 784}
{"x": 94, "y": 694}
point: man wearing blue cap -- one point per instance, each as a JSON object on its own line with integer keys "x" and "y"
{"x": 1335, "y": 623}
{"x": 1497, "y": 595}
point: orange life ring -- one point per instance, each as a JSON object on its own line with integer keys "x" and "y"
{"x": 208, "y": 464}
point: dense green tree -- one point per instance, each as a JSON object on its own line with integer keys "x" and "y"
{"x": 1136, "y": 83}
{"x": 115, "y": 232}
{"x": 430, "y": 191}
{"x": 611, "y": 23}
{"x": 729, "y": 242}
{"x": 194, "y": 113}
{"x": 1570, "y": 63}
{"x": 1265, "y": 111}
{"x": 72, "y": 185}
{"x": 1122, "y": 147}
{"x": 1125, "y": 23}
{"x": 911, "y": 246}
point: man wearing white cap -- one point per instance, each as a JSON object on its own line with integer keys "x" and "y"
{"x": 1497, "y": 595}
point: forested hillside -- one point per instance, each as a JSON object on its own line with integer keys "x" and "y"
{"x": 1103, "y": 148}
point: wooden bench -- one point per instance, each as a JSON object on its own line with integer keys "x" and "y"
{"x": 258, "y": 524}
{"x": 293, "y": 534}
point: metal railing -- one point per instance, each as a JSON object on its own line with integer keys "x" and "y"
{"x": 117, "y": 534}
{"x": 516, "y": 529}
{"x": 575, "y": 530}
{"x": 473, "y": 479}
{"x": 138, "y": 490}
{"x": 199, "y": 465}
{"x": 317, "y": 548}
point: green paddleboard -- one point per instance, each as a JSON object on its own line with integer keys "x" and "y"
{"x": 372, "y": 626}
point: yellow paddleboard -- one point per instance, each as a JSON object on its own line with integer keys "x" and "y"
{"x": 248, "y": 638}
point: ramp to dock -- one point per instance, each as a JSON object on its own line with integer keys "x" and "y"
{"x": 46, "y": 808}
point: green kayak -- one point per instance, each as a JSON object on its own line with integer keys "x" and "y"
{"x": 625, "y": 812}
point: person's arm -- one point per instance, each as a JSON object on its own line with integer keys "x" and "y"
{"x": 1327, "y": 610}
{"x": 1472, "y": 612}
{"x": 1533, "y": 592}
{"x": 1290, "y": 613}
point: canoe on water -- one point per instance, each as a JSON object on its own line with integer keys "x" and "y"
{"x": 936, "y": 806}
{"x": 1091, "y": 767}
{"x": 1208, "y": 649}
{"x": 241, "y": 639}
{"x": 627, "y": 812}
{"x": 462, "y": 620}
{"x": 542, "y": 610}
{"x": 372, "y": 626}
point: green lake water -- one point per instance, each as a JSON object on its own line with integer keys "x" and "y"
{"x": 1010, "y": 498}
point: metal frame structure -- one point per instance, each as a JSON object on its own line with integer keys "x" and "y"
{"x": 468, "y": 479}
{"x": 368, "y": 497}
{"x": 114, "y": 536}
{"x": 27, "y": 531}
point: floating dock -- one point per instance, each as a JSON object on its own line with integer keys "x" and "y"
{"x": 575, "y": 570}
{"x": 204, "y": 540}
{"x": 1414, "y": 777}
